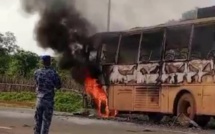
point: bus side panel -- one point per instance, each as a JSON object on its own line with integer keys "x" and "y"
{"x": 111, "y": 97}
{"x": 208, "y": 100}
{"x": 123, "y": 98}
{"x": 130, "y": 98}
{"x": 195, "y": 90}
{"x": 164, "y": 99}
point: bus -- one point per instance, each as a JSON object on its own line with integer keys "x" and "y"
{"x": 160, "y": 70}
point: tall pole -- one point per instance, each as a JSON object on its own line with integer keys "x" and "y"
{"x": 109, "y": 12}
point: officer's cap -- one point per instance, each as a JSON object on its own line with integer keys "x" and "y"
{"x": 46, "y": 58}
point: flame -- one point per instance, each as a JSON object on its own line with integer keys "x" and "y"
{"x": 95, "y": 90}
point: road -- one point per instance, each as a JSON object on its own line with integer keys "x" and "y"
{"x": 20, "y": 121}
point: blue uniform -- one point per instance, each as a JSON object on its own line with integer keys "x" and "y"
{"x": 47, "y": 80}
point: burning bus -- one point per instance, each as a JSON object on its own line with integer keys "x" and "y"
{"x": 162, "y": 70}
{"x": 167, "y": 69}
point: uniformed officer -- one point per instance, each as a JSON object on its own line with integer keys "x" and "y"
{"x": 47, "y": 80}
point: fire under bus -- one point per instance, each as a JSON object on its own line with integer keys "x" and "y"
{"x": 162, "y": 70}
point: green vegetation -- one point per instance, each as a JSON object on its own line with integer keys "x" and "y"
{"x": 68, "y": 102}
{"x": 17, "y": 62}
{"x": 64, "y": 101}
{"x": 17, "y": 96}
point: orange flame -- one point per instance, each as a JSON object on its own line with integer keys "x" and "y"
{"x": 95, "y": 90}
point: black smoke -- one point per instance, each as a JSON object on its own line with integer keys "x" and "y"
{"x": 63, "y": 29}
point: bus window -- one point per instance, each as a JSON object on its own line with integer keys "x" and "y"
{"x": 128, "y": 51}
{"x": 177, "y": 43}
{"x": 203, "y": 44}
{"x": 109, "y": 49}
{"x": 151, "y": 46}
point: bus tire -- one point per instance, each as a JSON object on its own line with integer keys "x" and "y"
{"x": 155, "y": 117}
{"x": 186, "y": 106}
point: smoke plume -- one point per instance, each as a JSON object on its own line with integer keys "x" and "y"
{"x": 62, "y": 28}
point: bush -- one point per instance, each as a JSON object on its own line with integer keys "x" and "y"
{"x": 17, "y": 96}
{"x": 68, "y": 102}
{"x": 64, "y": 101}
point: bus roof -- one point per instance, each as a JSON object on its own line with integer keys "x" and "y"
{"x": 171, "y": 24}
{"x": 138, "y": 30}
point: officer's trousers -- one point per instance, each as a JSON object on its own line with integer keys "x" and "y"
{"x": 43, "y": 116}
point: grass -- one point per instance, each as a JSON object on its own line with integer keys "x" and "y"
{"x": 64, "y": 101}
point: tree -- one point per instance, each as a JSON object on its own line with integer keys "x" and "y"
{"x": 7, "y": 47}
{"x": 17, "y": 62}
{"x": 8, "y": 43}
{"x": 23, "y": 63}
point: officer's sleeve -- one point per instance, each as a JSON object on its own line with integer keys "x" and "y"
{"x": 35, "y": 76}
{"x": 57, "y": 80}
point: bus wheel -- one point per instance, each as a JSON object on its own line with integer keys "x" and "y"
{"x": 155, "y": 117}
{"x": 186, "y": 107}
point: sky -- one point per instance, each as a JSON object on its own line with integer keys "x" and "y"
{"x": 125, "y": 14}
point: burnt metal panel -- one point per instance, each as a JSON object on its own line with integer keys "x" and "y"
{"x": 135, "y": 74}
{"x": 188, "y": 72}
{"x": 194, "y": 71}
{"x": 123, "y": 74}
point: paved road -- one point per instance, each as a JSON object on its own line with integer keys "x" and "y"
{"x": 20, "y": 121}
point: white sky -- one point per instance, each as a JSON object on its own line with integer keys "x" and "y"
{"x": 125, "y": 14}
